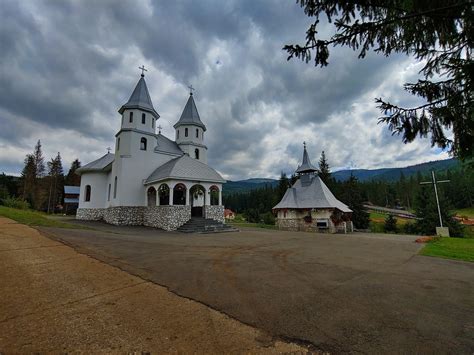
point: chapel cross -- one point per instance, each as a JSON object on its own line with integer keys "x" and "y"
{"x": 159, "y": 129}
{"x": 142, "y": 68}
{"x": 109, "y": 149}
{"x": 434, "y": 182}
{"x": 191, "y": 89}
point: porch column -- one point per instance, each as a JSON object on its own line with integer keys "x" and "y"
{"x": 187, "y": 196}
{"x": 171, "y": 195}
{"x": 220, "y": 197}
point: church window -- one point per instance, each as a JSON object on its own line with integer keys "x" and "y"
{"x": 185, "y": 132}
{"x": 143, "y": 144}
{"x": 196, "y": 153}
{"x": 179, "y": 195}
{"x": 115, "y": 187}
{"x": 214, "y": 195}
{"x": 151, "y": 197}
{"x": 118, "y": 144}
{"x": 152, "y": 123}
{"x": 88, "y": 193}
{"x": 164, "y": 195}
{"x": 108, "y": 194}
{"x": 131, "y": 117}
{"x": 197, "y": 133}
{"x": 143, "y": 118}
{"x": 177, "y": 134}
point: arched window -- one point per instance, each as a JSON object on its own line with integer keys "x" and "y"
{"x": 214, "y": 195}
{"x": 115, "y": 187}
{"x": 185, "y": 132}
{"x": 179, "y": 195}
{"x": 164, "y": 195}
{"x": 88, "y": 193}
{"x": 143, "y": 118}
{"x": 196, "y": 153}
{"x": 197, "y": 132}
{"x": 151, "y": 197}
{"x": 143, "y": 143}
{"x": 131, "y": 117}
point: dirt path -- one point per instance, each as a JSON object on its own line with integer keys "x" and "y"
{"x": 54, "y": 299}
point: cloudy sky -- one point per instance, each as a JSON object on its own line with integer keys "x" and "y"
{"x": 66, "y": 67}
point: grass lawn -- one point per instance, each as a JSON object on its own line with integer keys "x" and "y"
{"x": 34, "y": 218}
{"x": 450, "y": 248}
{"x": 465, "y": 212}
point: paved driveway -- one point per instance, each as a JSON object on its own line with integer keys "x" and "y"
{"x": 341, "y": 293}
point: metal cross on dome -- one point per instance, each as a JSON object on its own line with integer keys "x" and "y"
{"x": 142, "y": 68}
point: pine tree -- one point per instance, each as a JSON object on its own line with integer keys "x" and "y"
{"x": 72, "y": 178}
{"x": 283, "y": 185}
{"x": 28, "y": 179}
{"x": 352, "y": 197}
{"x": 324, "y": 170}
{"x": 56, "y": 182}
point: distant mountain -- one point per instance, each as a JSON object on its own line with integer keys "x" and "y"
{"x": 247, "y": 185}
{"x": 384, "y": 174}
{"x": 393, "y": 174}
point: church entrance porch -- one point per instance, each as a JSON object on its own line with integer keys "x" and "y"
{"x": 198, "y": 200}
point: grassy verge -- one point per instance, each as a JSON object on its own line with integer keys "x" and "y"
{"x": 252, "y": 225}
{"x": 34, "y": 218}
{"x": 450, "y": 248}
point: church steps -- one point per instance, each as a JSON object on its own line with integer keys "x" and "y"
{"x": 203, "y": 225}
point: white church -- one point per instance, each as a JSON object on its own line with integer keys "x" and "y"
{"x": 150, "y": 179}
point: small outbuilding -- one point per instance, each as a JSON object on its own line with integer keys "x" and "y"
{"x": 310, "y": 206}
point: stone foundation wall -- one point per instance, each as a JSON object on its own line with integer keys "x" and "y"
{"x": 214, "y": 212}
{"x": 90, "y": 214}
{"x": 299, "y": 224}
{"x": 168, "y": 218}
{"x": 125, "y": 215}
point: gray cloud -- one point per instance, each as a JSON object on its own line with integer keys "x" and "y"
{"x": 66, "y": 67}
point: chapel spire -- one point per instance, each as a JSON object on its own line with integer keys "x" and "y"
{"x": 306, "y": 166}
{"x": 140, "y": 98}
{"x": 190, "y": 115}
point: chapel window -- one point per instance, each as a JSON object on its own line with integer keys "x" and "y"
{"x": 115, "y": 187}
{"x": 143, "y": 118}
{"x": 108, "y": 194}
{"x": 131, "y": 117}
{"x": 143, "y": 143}
{"x": 197, "y": 132}
{"x": 88, "y": 193}
{"x": 177, "y": 134}
{"x": 152, "y": 123}
{"x": 196, "y": 153}
{"x": 185, "y": 132}
{"x": 118, "y": 144}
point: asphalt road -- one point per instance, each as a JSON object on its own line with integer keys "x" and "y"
{"x": 341, "y": 293}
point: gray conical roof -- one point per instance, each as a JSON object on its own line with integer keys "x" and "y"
{"x": 306, "y": 166}
{"x": 190, "y": 115}
{"x": 140, "y": 99}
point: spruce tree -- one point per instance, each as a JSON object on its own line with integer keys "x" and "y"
{"x": 390, "y": 224}
{"x": 72, "y": 178}
{"x": 324, "y": 170}
{"x": 283, "y": 185}
{"x": 351, "y": 195}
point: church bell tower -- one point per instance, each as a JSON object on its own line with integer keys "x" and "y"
{"x": 190, "y": 131}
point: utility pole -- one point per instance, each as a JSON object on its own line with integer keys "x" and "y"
{"x": 434, "y": 182}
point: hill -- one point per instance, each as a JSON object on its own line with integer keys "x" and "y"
{"x": 393, "y": 174}
{"x": 384, "y": 174}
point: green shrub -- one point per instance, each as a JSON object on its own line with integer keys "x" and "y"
{"x": 15, "y": 202}
{"x": 269, "y": 218}
{"x": 390, "y": 224}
